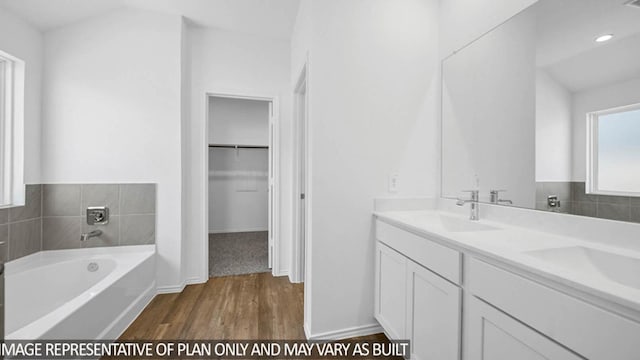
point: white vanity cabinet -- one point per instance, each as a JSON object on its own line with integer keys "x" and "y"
{"x": 493, "y": 335}
{"x": 433, "y": 315}
{"x": 505, "y": 312}
{"x": 546, "y": 321}
{"x": 391, "y": 285}
{"x": 414, "y": 301}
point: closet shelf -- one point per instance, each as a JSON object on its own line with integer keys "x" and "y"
{"x": 231, "y": 146}
{"x": 239, "y": 173}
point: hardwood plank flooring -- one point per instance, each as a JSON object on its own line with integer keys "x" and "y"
{"x": 240, "y": 307}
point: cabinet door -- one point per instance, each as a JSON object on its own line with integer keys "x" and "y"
{"x": 496, "y": 336}
{"x": 391, "y": 289}
{"x": 433, "y": 316}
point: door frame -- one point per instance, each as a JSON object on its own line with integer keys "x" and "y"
{"x": 301, "y": 135}
{"x": 274, "y": 151}
{"x": 304, "y": 78}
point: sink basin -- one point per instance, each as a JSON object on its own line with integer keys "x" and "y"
{"x": 621, "y": 269}
{"x": 454, "y": 224}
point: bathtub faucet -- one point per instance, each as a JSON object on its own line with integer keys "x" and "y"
{"x": 90, "y": 234}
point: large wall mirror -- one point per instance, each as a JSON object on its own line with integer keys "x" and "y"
{"x": 544, "y": 111}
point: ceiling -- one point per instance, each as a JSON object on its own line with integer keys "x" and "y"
{"x": 566, "y": 30}
{"x": 270, "y": 18}
{"x": 600, "y": 66}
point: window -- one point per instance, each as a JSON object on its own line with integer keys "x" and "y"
{"x": 613, "y": 165}
{"x": 11, "y": 130}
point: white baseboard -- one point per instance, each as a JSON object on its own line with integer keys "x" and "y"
{"x": 122, "y": 322}
{"x": 223, "y": 231}
{"x": 352, "y": 332}
{"x": 291, "y": 279}
{"x": 294, "y": 281}
{"x": 281, "y": 273}
{"x": 195, "y": 280}
{"x": 171, "y": 289}
{"x": 307, "y": 332}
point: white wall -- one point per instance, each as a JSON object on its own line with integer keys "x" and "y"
{"x": 553, "y": 129}
{"x": 225, "y": 62}
{"x": 463, "y": 21}
{"x": 373, "y": 95}
{"x": 238, "y": 121}
{"x": 238, "y": 196}
{"x": 584, "y": 102}
{"x": 24, "y": 42}
{"x": 112, "y": 113}
{"x": 489, "y": 115}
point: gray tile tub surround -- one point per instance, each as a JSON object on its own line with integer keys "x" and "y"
{"x": 622, "y": 208}
{"x": 577, "y": 202}
{"x": 21, "y": 226}
{"x": 132, "y": 214}
{"x": 561, "y": 189}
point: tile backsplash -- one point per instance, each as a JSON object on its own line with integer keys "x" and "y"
{"x": 54, "y": 217}
{"x": 575, "y": 200}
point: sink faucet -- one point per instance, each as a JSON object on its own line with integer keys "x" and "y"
{"x": 90, "y": 234}
{"x": 495, "y": 197}
{"x": 473, "y": 203}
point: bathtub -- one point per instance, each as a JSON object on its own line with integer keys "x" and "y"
{"x": 83, "y": 294}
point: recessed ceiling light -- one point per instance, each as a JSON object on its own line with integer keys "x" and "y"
{"x": 605, "y": 37}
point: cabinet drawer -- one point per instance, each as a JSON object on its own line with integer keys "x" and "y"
{"x": 588, "y": 330}
{"x": 440, "y": 259}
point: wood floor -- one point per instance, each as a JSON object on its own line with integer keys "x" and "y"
{"x": 242, "y": 307}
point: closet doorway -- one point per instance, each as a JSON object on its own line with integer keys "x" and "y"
{"x": 241, "y": 178}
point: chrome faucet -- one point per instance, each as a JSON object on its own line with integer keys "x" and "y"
{"x": 494, "y": 197}
{"x": 90, "y": 234}
{"x": 473, "y": 202}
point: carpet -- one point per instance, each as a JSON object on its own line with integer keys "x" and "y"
{"x": 238, "y": 253}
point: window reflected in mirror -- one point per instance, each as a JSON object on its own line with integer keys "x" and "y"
{"x": 614, "y": 146}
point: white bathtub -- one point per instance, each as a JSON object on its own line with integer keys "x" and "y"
{"x": 55, "y": 295}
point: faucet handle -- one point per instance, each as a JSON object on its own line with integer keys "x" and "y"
{"x": 495, "y": 197}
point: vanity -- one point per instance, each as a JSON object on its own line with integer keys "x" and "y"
{"x": 460, "y": 289}
{"x": 540, "y": 121}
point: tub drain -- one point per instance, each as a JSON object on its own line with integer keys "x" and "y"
{"x": 92, "y": 267}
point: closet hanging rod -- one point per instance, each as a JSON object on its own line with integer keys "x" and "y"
{"x": 227, "y": 146}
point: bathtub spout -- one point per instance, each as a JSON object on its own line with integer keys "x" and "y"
{"x": 90, "y": 234}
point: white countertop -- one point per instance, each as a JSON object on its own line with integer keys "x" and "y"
{"x": 508, "y": 244}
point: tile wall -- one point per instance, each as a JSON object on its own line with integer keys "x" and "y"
{"x": 574, "y": 200}
{"x": 21, "y": 227}
{"x": 55, "y": 215}
{"x": 561, "y": 189}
